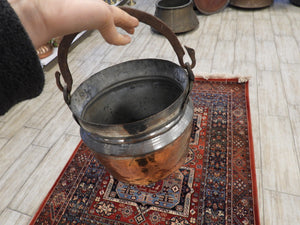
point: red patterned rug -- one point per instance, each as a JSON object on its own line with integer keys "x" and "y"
{"x": 217, "y": 184}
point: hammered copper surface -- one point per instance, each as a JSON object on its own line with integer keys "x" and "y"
{"x": 151, "y": 167}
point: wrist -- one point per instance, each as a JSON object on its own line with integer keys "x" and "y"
{"x": 30, "y": 17}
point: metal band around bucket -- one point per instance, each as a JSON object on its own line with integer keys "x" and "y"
{"x": 144, "y": 17}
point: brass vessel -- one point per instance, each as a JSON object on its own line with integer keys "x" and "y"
{"x": 179, "y": 15}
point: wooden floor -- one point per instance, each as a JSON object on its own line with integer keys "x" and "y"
{"x": 37, "y": 137}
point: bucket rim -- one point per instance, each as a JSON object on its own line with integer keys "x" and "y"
{"x": 174, "y": 108}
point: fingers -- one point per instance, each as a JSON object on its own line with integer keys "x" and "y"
{"x": 78, "y": 15}
{"x": 112, "y": 36}
{"x": 118, "y": 18}
{"x": 124, "y": 20}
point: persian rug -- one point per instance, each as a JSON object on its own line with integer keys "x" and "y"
{"x": 216, "y": 185}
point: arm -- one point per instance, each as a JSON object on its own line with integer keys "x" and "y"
{"x": 21, "y": 76}
{"x": 45, "y": 19}
{"x": 27, "y": 24}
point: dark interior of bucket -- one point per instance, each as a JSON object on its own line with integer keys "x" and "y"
{"x": 132, "y": 101}
{"x": 173, "y": 3}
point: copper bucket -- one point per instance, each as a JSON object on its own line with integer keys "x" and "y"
{"x": 251, "y": 4}
{"x": 137, "y": 115}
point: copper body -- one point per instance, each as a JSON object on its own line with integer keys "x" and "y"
{"x": 149, "y": 168}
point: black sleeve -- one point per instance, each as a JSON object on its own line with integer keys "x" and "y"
{"x": 21, "y": 74}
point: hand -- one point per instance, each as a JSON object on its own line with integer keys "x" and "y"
{"x": 45, "y": 19}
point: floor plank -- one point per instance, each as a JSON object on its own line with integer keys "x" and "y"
{"x": 32, "y": 193}
{"x": 280, "y": 208}
{"x": 11, "y": 217}
{"x": 277, "y": 143}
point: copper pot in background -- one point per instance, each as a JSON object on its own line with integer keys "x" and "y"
{"x": 209, "y": 7}
{"x": 179, "y": 15}
{"x": 251, "y": 4}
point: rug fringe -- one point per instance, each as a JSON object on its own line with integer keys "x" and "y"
{"x": 241, "y": 78}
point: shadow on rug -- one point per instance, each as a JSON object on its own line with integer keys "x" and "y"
{"x": 217, "y": 184}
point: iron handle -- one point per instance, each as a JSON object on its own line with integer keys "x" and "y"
{"x": 163, "y": 28}
{"x": 144, "y": 17}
